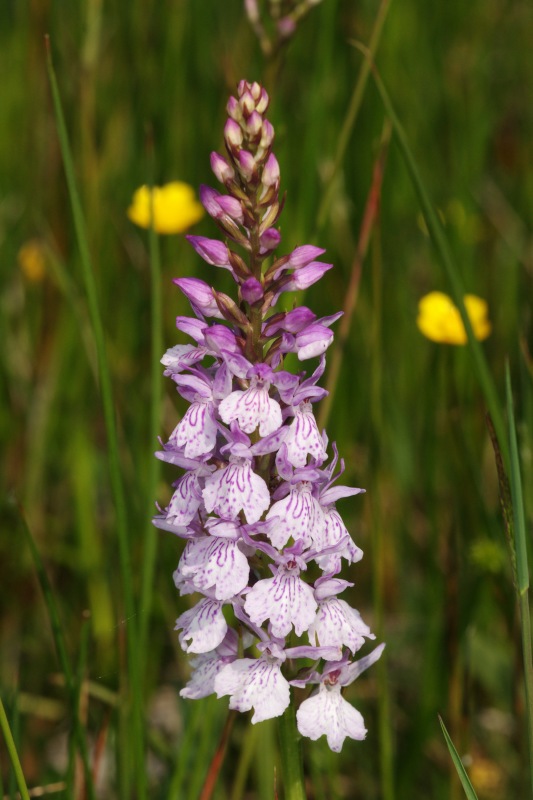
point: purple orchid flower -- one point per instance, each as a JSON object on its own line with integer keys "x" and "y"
{"x": 255, "y": 501}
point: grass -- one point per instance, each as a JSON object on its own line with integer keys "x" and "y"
{"x": 408, "y": 414}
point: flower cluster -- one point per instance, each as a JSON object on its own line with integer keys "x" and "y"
{"x": 256, "y": 502}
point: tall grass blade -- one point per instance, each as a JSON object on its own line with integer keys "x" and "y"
{"x": 13, "y": 755}
{"x": 458, "y": 764}
{"x": 353, "y": 110}
{"x": 64, "y": 660}
{"x": 367, "y": 226}
{"x": 506, "y": 502}
{"x": 522, "y": 570}
{"x": 136, "y": 759}
{"x": 443, "y": 250}
{"x": 151, "y": 539}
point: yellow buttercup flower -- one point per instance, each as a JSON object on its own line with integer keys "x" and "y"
{"x": 175, "y": 207}
{"x": 439, "y": 319}
{"x": 32, "y": 260}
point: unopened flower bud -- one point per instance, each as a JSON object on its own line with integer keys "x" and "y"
{"x": 262, "y": 102}
{"x": 267, "y": 135}
{"x": 230, "y": 310}
{"x": 211, "y": 250}
{"x": 239, "y": 266}
{"x": 303, "y": 255}
{"x": 231, "y": 206}
{"x": 247, "y": 104}
{"x": 269, "y": 240}
{"x": 247, "y": 166}
{"x": 223, "y": 171}
{"x": 270, "y": 176}
{"x": 254, "y": 125}
{"x": 234, "y": 110}
{"x": 251, "y": 290}
{"x": 252, "y": 11}
{"x": 298, "y": 319}
{"x": 255, "y": 90}
{"x": 286, "y": 27}
{"x": 209, "y": 199}
{"x": 200, "y": 296}
{"x": 270, "y": 218}
{"x": 232, "y": 134}
{"x": 306, "y": 276}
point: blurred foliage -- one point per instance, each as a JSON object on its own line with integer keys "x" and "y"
{"x": 408, "y": 415}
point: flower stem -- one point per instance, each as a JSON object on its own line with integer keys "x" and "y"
{"x": 13, "y": 755}
{"x": 291, "y": 756}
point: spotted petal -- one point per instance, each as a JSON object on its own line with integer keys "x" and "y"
{"x": 236, "y": 488}
{"x": 197, "y": 431}
{"x": 254, "y": 683}
{"x": 285, "y": 600}
{"x": 337, "y": 624}
{"x": 204, "y": 627}
{"x": 328, "y": 714}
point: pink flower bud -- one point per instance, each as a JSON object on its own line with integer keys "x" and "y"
{"x": 254, "y": 125}
{"x": 247, "y": 165}
{"x": 298, "y": 319}
{"x": 200, "y": 296}
{"x": 209, "y": 200}
{"x": 247, "y": 104}
{"x": 234, "y": 110}
{"x": 303, "y": 255}
{"x": 262, "y": 102}
{"x": 270, "y": 176}
{"x": 267, "y": 135}
{"x": 255, "y": 90}
{"x": 232, "y": 134}
{"x": 231, "y": 206}
{"x": 251, "y": 290}
{"x": 211, "y": 250}
{"x": 270, "y": 240}
{"x": 286, "y": 27}
{"x": 306, "y": 276}
{"x": 223, "y": 171}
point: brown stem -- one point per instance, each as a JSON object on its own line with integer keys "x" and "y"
{"x": 369, "y": 217}
{"x": 218, "y": 758}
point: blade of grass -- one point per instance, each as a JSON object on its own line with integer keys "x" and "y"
{"x": 72, "y": 777}
{"x": 138, "y": 767}
{"x": 351, "y": 114}
{"x": 64, "y": 661}
{"x": 522, "y": 571}
{"x": 15, "y": 732}
{"x": 367, "y": 225}
{"x": 458, "y": 764}
{"x": 443, "y": 250}
{"x": 151, "y": 539}
{"x": 13, "y": 755}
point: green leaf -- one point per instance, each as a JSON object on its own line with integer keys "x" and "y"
{"x": 458, "y": 764}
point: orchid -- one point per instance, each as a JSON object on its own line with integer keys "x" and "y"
{"x": 256, "y": 499}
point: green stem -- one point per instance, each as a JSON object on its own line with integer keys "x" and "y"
{"x": 351, "y": 116}
{"x": 151, "y": 539}
{"x": 13, "y": 755}
{"x": 522, "y": 570}
{"x": 443, "y": 250}
{"x": 291, "y": 756}
{"x": 111, "y": 428}
{"x": 64, "y": 661}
